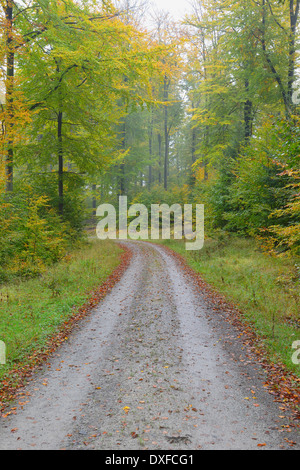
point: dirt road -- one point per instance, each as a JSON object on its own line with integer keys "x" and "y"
{"x": 151, "y": 368}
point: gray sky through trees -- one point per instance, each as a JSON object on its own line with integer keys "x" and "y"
{"x": 177, "y": 8}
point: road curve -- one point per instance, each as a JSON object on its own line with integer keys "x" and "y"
{"x": 151, "y": 368}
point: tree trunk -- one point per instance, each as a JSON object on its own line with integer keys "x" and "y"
{"x": 159, "y": 156}
{"x": 94, "y": 199}
{"x": 10, "y": 71}
{"x": 150, "y": 150}
{"x": 166, "y": 162}
{"x": 122, "y": 188}
{"x": 247, "y": 114}
{"x": 193, "y": 148}
{"x": 122, "y": 165}
{"x": 294, "y": 13}
{"x": 60, "y": 164}
{"x": 283, "y": 90}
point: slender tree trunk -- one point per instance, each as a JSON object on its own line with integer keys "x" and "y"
{"x": 122, "y": 188}
{"x": 178, "y": 168}
{"x": 166, "y": 162}
{"x": 94, "y": 199}
{"x": 206, "y": 138}
{"x": 193, "y": 148}
{"x": 193, "y": 145}
{"x": 283, "y": 90}
{"x": 247, "y": 114}
{"x": 122, "y": 165}
{"x": 159, "y": 157}
{"x": 150, "y": 149}
{"x": 60, "y": 164}
{"x": 150, "y": 176}
{"x": 10, "y": 71}
{"x": 294, "y": 14}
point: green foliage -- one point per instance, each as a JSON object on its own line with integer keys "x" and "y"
{"x": 246, "y": 123}
{"x": 254, "y": 194}
{"x": 158, "y": 195}
{"x": 284, "y": 236}
{"x": 79, "y": 70}
{"x": 34, "y": 237}
{"x": 107, "y": 109}
{"x": 75, "y": 212}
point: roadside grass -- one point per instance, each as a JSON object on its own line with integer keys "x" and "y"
{"x": 264, "y": 288}
{"x": 32, "y": 311}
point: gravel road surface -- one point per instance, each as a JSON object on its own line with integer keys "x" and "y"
{"x": 151, "y": 368}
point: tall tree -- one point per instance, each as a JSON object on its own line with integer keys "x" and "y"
{"x": 74, "y": 80}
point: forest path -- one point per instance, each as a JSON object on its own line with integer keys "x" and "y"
{"x": 153, "y": 368}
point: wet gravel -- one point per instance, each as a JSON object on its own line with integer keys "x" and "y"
{"x": 151, "y": 368}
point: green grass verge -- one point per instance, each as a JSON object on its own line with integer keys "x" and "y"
{"x": 32, "y": 311}
{"x": 264, "y": 288}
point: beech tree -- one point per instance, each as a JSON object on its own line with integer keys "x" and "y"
{"x": 73, "y": 78}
